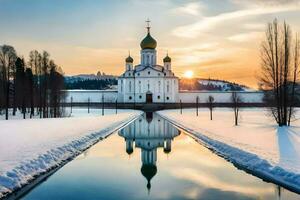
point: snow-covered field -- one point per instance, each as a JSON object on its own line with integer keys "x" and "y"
{"x": 31, "y": 147}
{"x": 257, "y": 144}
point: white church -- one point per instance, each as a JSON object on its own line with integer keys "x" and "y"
{"x": 148, "y": 82}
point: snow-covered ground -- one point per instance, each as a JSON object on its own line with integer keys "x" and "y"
{"x": 31, "y": 147}
{"x": 257, "y": 144}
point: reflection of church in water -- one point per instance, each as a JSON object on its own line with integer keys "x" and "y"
{"x": 148, "y": 133}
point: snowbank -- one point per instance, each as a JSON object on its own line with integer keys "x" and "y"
{"x": 257, "y": 144}
{"x": 29, "y": 148}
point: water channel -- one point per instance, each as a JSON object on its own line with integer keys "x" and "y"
{"x": 152, "y": 159}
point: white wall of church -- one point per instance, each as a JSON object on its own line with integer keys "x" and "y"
{"x": 184, "y": 96}
{"x": 219, "y": 97}
{"x": 82, "y": 96}
{"x": 162, "y": 89}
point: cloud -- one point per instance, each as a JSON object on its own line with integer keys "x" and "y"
{"x": 255, "y": 26}
{"x": 265, "y": 2}
{"x": 193, "y": 8}
{"x": 208, "y": 23}
{"x": 245, "y": 37}
{"x": 206, "y": 180}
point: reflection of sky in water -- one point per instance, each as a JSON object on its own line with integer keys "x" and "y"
{"x": 176, "y": 167}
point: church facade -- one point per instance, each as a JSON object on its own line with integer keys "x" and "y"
{"x": 148, "y": 82}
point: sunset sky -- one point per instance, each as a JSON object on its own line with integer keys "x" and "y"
{"x": 211, "y": 38}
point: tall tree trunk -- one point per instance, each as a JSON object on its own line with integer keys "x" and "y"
{"x": 7, "y": 100}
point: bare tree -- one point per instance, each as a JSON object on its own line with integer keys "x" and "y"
{"x": 44, "y": 79}
{"x": 236, "y": 101}
{"x": 295, "y": 75}
{"x": 7, "y": 62}
{"x": 279, "y": 71}
{"x": 210, "y": 103}
{"x": 56, "y": 95}
{"x": 35, "y": 64}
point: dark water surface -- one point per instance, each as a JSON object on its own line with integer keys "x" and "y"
{"x": 151, "y": 159}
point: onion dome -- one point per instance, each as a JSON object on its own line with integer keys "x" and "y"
{"x": 129, "y": 59}
{"x": 129, "y": 151}
{"x": 167, "y": 150}
{"x": 148, "y": 172}
{"x": 148, "y": 42}
{"x": 167, "y": 59}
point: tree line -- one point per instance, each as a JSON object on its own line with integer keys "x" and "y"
{"x": 33, "y": 87}
{"x": 90, "y": 84}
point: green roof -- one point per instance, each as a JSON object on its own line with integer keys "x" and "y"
{"x": 148, "y": 42}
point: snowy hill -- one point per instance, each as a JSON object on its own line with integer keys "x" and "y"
{"x": 211, "y": 85}
{"x": 221, "y": 85}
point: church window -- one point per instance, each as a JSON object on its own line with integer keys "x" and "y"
{"x": 158, "y": 74}
{"x": 121, "y": 85}
{"x": 140, "y": 87}
{"x": 128, "y": 74}
{"x": 140, "y": 96}
{"x": 130, "y": 86}
{"x": 130, "y": 97}
{"x": 138, "y": 74}
{"x": 149, "y": 72}
{"x": 159, "y": 86}
{"x": 167, "y": 98}
{"x": 168, "y": 87}
{"x": 158, "y": 97}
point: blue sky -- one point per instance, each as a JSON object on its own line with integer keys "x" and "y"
{"x": 213, "y": 38}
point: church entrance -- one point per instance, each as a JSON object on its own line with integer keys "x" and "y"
{"x": 149, "y": 97}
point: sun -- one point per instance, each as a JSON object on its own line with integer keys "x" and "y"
{"x": 188, "y": 74}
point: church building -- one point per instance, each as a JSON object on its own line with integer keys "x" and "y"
{"x": 148, "y": 82}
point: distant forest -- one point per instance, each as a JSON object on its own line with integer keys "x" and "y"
{"x": 89, "y": 84}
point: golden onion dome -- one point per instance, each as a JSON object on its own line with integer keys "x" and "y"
{"x": 148, "y": 42}
{"x": 129, "y": 59}
{"x": 167, "y": 59}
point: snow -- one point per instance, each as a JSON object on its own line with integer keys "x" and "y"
{"x": 225, "y": 86}
{"x": 31, "y": 147}
{"x": 257, "y": 144}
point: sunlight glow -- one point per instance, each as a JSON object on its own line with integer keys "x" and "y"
{"x": 188, "y": 74}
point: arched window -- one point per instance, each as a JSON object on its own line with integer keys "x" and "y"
{"x": 147, "y": 59}
{"x": 140, "y": 87}
{"x": 129, "y": 86}
{"x": 121, "y": 85}
{"x": 168, "y": 87}
{"x": 158, "y": 86}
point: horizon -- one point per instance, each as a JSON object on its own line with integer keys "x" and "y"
{"x": 211, "y": 39}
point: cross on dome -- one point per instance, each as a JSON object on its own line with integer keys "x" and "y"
{"x": 148, "y": 25}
